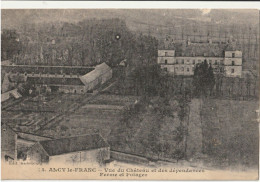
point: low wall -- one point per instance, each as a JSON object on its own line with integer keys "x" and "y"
{"x": 128, "y": 157}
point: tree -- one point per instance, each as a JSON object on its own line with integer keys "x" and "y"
{"x": 11, "y": 45}
{"x": 203, "y": 79}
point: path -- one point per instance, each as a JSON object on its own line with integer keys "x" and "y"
{"x": 194, "y": 139}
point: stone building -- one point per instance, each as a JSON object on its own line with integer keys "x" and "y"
{"x": 8, "y": 143}
{"x": 181, "y": 59}
{"x": 65, "y": 79}
{"x": 80, "y": 149}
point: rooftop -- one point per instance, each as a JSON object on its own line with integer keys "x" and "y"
{"x": 73, "y": 144}
{"x": 54, "y": 81}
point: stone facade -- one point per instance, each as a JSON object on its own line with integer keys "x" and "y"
{"x": 230, "y": 64}
{"x": 82, "y": 149}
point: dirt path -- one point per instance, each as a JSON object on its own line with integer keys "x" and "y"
{"x": 194, "y": 139}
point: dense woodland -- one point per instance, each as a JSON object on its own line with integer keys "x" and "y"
{"x": 87, "y": 43}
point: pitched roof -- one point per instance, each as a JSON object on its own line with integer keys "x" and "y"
{"x": 95, "y": 74}
{"x": 54, "y": 80}
{"x": 200, "y": 49}
{"x": 233, "y": 46}
{"x": 32, "y": 137}
{"x": 73, "y": 144}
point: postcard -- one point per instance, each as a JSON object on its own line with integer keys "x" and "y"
{"x": 130, "y": 94}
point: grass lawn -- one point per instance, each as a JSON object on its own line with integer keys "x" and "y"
{"x": 230, "y": 132}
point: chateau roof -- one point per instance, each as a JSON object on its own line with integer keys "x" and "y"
{"x": 200, "y": 49}
{"x": 204, "y": 49}
{"x": 73, "y": 144}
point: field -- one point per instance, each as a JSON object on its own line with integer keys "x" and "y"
{"x": 229, "y": 132}
{"x": 98, "y": 115}
{"x": 32, "y": 113}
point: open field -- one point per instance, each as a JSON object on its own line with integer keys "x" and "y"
{"x": 230, "y": 132}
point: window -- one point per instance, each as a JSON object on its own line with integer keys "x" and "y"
{"x": 216, "y": 62}
{"x": 232, "y": 71}
{"x": 233, "y": 55}
{"x": 176, "y": 68}
{"x": 165, "y": 61}
{"x": 210, "y": 61}
{"x": 177, "y": 61}
{"x": 199, "y": 60}
{"x": 188, "y": 61}
{"x": 182, "y": 69}
{"x": 182, "y": 61}
{"x": 166, "y": 53}
{"x": 193, "y": 61}
{"x": 188, "y": 69}
{"x": 165, "y": 69}
{"x": 233, "y": 63}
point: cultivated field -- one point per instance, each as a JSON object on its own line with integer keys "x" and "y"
{"x": 229, "y": 132}
{"x": 100, "y": 114}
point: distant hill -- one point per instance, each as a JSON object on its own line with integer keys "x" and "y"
{"x": 135, "y": 19}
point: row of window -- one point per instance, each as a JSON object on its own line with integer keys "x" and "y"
{"x": 182, "y": 69}
{"x": 233, "y": 54}
{"x": 193, "y": 62}
{"x": 188, "y": 69}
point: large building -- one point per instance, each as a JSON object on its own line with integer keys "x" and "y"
{"x": 182, "y": 59}
{"x": 80, "y": 149}
{"x": 59, "y": 78}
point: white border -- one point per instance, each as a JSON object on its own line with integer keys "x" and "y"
{"x": 128, "y": 4}
{"x": 125, "y": 5}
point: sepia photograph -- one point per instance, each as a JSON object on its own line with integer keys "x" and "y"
{"x": 143, "y": 94}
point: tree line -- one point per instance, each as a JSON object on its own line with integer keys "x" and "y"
{"x": 85, "y": 43}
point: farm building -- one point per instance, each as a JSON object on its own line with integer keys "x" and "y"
{"x": 98, "y": 76}
{"x": 181, "y": 59}
{"x": 25, "y": 141}
{"x": 88, "y": 148}
{"x": 12, "y": 93}
{"x": 60, "y": 78}
{"x": 8, "y": 143}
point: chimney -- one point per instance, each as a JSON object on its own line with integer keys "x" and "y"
{"x": 188, "y": 41}
{"x": 210, "y": 41}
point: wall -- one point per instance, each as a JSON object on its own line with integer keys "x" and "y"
{"x": 196, "y": 60}
{"x": 37, "y": 154}
{"x": 72, "y": 89}
{"x": 163, "y": 53}
{"x": 183, "y": 69}
{"x": 238, "y": 54}
{"x": 88, "y": 156}
{"x": 169, "y": 68}
{"x": 237, "y": 61}
{"x": 170, "y": 60}
{"x": 237, "y": 71}
{"x": 8, "y": 142}
{"x": 128, "y": 157}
